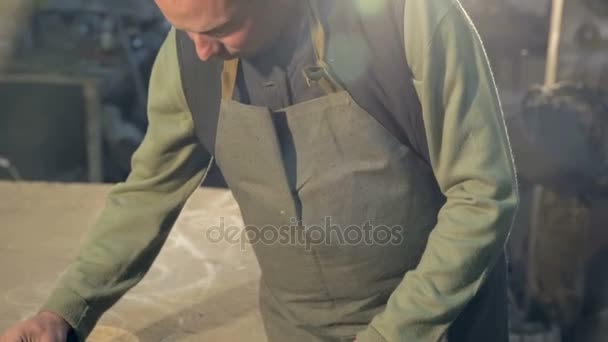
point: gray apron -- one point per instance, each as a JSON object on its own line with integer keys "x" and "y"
{"x": 324, "y": 166}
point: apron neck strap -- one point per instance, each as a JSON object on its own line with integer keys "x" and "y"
{"x": 231, "y": 68}
{"x": 317, "y": 31}
{"x": 317, "y": 74}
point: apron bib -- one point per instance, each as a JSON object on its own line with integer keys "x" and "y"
{"x": 323, "y": 169}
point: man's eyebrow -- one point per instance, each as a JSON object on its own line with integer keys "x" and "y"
{"x": 227, "y": 23}
{"x": 220, "y": 27}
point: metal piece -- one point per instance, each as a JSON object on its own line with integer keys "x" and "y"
{"x": 10, "y": 168}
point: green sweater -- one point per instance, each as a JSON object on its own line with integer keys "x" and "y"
{"x": 469, "y": 152}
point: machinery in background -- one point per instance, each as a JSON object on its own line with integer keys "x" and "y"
{"x": 585, "y": 42}
{"x": 559, "y": 246}
{"x": 110, "y": 43}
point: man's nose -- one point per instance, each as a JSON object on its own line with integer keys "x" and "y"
{"x": 206, "y": 48}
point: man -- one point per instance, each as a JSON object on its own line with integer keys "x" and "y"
{"x": 309, "y": 128}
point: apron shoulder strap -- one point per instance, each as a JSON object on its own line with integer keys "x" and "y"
{"x": 404, "y": 122}
{"x": 192, "y": 70}
{"x": 412, "y": 128}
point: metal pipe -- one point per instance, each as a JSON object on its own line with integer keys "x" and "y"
{"x": 557, "y": 13}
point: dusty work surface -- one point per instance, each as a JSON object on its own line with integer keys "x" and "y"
{"x": 197, "y": 290}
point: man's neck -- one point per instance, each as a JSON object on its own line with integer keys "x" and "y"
{"x": 295, "y": 28}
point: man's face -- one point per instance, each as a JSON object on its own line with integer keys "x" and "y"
{"x": 225, "y": 29}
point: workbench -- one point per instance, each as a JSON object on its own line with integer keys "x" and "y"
{"x": 197, "y": 289}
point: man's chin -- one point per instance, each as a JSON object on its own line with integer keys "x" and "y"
{"x": 229, "y": 56}
{"x": 242, "y": 54}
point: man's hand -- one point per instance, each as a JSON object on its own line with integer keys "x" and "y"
{"x": 44, "y": 327}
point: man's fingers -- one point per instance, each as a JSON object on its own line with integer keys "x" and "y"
{"x": 40, "y": 328}
{"x": 13, "y": 335}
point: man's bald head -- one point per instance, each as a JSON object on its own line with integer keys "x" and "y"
{"x": 228, "y": 28}
{"x": 199, "y": 15}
